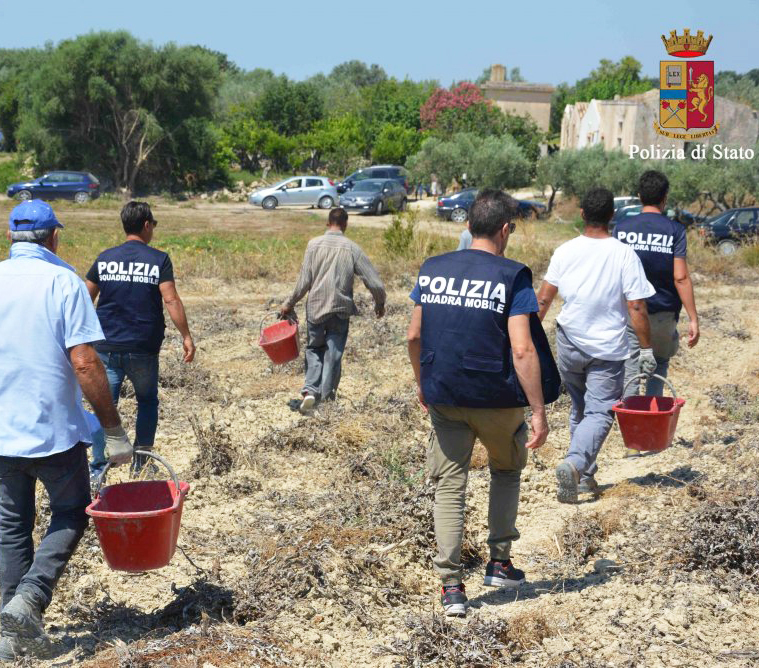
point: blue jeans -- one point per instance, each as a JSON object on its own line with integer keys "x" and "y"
{"x": 594, "y": 386}
{"x": 142, "y": 370}
{"x": 66, "y": 479}
{"x": 324, "y": 355}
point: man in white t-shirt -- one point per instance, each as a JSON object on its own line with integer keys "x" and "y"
{"x": 601, "y": 281}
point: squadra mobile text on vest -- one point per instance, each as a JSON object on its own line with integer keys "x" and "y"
{"x": 699, "y": 152}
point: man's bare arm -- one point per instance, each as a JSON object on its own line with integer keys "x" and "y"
{"x": 546, "y": 295}
{"x": 90, "y": 373}
{"x": 414, "y": 339}
{"x": 684, "y": 287}
{"x": 527, "y": 367}
{"x": 93, "y": 289}
{"x": 175, "y": 307}
{"x": 639, "y": 321}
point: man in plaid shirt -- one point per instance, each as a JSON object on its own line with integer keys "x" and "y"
{"x": 329, "y": 267}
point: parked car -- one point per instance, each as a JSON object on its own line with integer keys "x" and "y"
{"x": 731, "y": 228}
{"x": 531, "y": 209}
{"x": 623, "y": 213}
{"x": 680, "y": 215}
{"x": 297, "y": 191}
{"x": 376, "y": 196}
{"x": 456, "y": 207}
{"x": 394, "y": 172}
{"x": 79, "y": 186}
{"x": 626, "y": 200}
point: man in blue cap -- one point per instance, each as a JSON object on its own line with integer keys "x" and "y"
{"x": 47, "y": 360}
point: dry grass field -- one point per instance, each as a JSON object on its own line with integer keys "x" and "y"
{"x": 307, "y": 541}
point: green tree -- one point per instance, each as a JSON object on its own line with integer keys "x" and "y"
{"x": 14, "y": 63}
{"x": 740, "y": 88}
{"x": 526, "y": 133}
{"x": 339, "y": 142}
{"x": 498, "y": 162}
{"x": 358, "y": 74}
{"x": 116, "y": 106}
{"x": 575, "y": 171}
{"x": 394, "y": 144}
{"x": 239, "y": 91}
{"x": 288, "y": 107}
{"x": 495, "y": 162}
{"x": 394, "y": 102}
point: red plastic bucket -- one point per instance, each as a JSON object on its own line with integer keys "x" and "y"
{"x": 137, "y": 523}
{"x": 280, "y": 341}
{"x": 648, "y": 423}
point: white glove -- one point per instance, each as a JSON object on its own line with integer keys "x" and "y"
{"x": 647, "y": 361}
{"x": 118, "y": 449}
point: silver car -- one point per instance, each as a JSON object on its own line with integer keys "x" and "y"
{"x": 297, "y": 191}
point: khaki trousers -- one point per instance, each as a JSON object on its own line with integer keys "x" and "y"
{"x": 503, "y": 432}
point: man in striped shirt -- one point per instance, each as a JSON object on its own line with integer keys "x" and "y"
{"x": 329, "y": 267}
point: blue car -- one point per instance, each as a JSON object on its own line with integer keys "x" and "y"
{"x": 78, "y": 186}
{"x": 456, "y": 207}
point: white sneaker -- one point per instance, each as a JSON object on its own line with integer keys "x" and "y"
{"x": 307, "y": 404}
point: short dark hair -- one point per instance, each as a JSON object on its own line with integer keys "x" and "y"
{"x": 652, "y": 188}
{"x": 491, "y": 210}
{"x": 134, "y": 215}
{"x": 338, "y": 216}
{"x": 598, "y": 206}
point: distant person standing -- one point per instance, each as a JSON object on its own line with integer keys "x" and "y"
{"x": 465, "y": 238}
{"x": 661, "y": 245}
{"x": 331, "y": 263}
{"x": 434, "y": 186}
{"x": 131, "y": 283}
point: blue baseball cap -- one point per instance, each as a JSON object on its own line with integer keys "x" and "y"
{"x": 34, "y": 214}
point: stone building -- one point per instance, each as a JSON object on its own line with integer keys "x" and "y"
{"x": 621, "y": 122}
{"x": 517, "y": 97}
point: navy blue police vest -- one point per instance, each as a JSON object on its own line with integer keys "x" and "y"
{"x": 466, "y": 357}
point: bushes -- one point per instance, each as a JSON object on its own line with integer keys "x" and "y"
{"x": 10, "y": 172}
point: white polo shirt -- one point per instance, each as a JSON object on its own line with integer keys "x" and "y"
{"x": 45, "y": 310}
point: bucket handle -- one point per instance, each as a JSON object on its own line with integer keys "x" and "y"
{"x": 654, "y": 375}
{"x": 174, "y": 479}
{"x": 291, "y": 318}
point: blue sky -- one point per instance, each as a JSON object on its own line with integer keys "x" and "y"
{"x": 550, "y": 41}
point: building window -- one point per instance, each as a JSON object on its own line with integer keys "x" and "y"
{"x": 620, "y": 126}
{"x": 619, "y": 142}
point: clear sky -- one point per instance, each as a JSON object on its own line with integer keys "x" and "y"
{"x": 551, "y": 41}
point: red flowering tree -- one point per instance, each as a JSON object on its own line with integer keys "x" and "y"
{"x": 461, "y": 109}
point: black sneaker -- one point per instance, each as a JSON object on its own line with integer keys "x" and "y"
{"x": 503, "y": 574}
{"x": 454, "y": 600}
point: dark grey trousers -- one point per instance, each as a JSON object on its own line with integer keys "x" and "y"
{"x": 65, "y": 476}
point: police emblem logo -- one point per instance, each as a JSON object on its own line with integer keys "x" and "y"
{"x": 686, "y": 89}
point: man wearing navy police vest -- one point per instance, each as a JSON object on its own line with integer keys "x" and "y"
{"x": 480, "y": 356}
{"x": 133, "y": 282}
{"x": 661, "y": 245}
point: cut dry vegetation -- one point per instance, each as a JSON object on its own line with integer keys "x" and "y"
{"x": 308, "y": 541}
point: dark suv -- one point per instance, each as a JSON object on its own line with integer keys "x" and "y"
{"x": 731, "y": 228}
{"x": 394, "y": 172}
{"x": 79, "y": 186}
